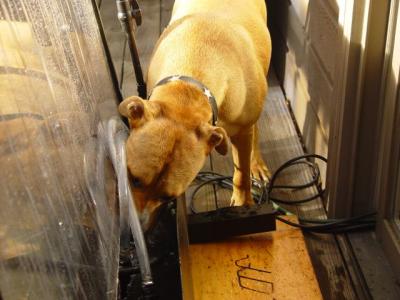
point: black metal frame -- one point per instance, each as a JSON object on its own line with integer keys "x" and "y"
{"x": 111, "y": 67}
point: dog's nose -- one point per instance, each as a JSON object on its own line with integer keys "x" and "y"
{"x": 167, "y": 198}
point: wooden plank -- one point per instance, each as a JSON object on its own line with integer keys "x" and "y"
{"x": 281, "y": 267}
{"x": 377, "y": 272}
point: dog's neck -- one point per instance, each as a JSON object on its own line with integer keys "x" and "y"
{"x": 199, "y": 85}
{"x": 182, "y": 99}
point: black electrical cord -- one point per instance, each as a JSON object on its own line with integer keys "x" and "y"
{"x": 219, "y": 179}
{"x": 262, "y": 193}
{"x": 288, "y": 164}
{"x": 332, "y": 224}
{"x": 331, "y": 228}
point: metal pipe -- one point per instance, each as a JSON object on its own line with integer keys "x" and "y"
{"x": 126, "y": 15}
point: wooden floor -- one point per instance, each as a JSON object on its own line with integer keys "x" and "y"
{"x": 279, "y": 142}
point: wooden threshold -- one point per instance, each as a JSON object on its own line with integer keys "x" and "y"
{"x": 273, "y": 265}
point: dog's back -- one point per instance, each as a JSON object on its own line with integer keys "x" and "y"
{"x": 251, "y": 14}
{"x": 234, "y": 8}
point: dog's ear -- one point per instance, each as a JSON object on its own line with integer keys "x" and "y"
{"x": 137, "y": 110}
{"x": 132, "y": 108}
{"x": 217, "y": 138}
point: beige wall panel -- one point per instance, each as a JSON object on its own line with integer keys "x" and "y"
{"x": 314, "y": 138}
{"x": 295, "y": 86}
{"x": 307, "y": 114}
{"x": 320, "y": 89}
{"x": 312, "y": 40}
{"x": 323, "y": 34}
{"x": 300, "y": 8}
{"x": 308, "y": 84}
{"x": 296, "y": 36}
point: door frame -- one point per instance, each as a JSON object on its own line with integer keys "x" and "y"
{"x": 387, "y": 190}
{"x": 368, "y": 30}
{"x": 360, "y": 64}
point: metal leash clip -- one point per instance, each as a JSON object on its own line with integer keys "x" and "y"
{"x": 136, "y": 12}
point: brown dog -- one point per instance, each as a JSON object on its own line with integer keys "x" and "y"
{"x": 223, "y": 45}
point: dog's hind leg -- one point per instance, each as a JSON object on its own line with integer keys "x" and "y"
{"x": 241, "y": 152}
{"x": 259, "y": 169}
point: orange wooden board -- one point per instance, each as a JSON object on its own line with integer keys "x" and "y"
{"x": 273, "y": 265}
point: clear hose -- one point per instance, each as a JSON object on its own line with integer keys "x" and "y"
{"x": 117, "y": 134}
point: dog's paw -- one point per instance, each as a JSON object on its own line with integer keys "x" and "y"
{"x": 259, "y": 169}
{"x": 241, "y": 198}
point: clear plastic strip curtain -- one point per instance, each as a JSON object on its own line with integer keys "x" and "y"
{"x": 58, "y": 238}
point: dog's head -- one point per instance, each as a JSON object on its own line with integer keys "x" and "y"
{"x": 166, "y": 148}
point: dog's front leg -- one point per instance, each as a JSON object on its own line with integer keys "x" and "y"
{"x": 241, "y": 152}
{"x": 259, "y": 169}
